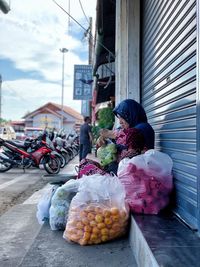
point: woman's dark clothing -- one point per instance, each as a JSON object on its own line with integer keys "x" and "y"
{"x": 148, "y": 133}
{"x": 134, "y": 114}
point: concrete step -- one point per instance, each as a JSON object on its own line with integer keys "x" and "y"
{"x": 164, "y": 241}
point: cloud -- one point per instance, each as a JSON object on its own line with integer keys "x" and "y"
{"x": 31, "y": 35}
{"x": 20, "y": 96}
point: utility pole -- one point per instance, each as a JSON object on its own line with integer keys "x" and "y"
{"x": 90, "y": 56}
{"x": 90, "y": 42}
{"x": 87, "y": 103}
{"x": 63, "y": 51}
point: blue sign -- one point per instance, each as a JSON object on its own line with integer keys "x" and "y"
{"x": 83, "y": 82}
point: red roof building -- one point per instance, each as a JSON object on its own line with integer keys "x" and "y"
{"x": 50, "y": 116}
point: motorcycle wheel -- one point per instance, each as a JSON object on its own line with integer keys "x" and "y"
{"x": 5, "y": 166}
{"x": 67, "y": 158}
{"x": 52, "y": 165}
{"x": 63, "y": 161}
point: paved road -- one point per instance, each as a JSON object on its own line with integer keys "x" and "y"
{"x": 17, "y": 185}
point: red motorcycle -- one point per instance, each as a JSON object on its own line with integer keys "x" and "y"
{"x": 30, "y": 153}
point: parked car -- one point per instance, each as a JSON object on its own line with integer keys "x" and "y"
{"x": 7, "y": 132}
{"x": 20, "y": 136}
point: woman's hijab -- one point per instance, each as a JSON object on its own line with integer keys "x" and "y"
{"x": 131, "y": 111}
{"x": 134, "y": 114}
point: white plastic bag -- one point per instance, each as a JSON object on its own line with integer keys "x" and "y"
{"x": 44, "y": 205}
{"x": 60, "y": 204}
{"x": 98, "y": 212}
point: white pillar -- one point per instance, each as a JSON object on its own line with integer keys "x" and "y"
{"x": 127, "y": 50}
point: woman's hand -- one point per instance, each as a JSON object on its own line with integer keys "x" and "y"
{"x": 105, "y": 133}
{"x": 100, "y": 141}
{"x": 130, "y": 153}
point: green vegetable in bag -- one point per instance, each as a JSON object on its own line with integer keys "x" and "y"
{"x": 107, "y": 154}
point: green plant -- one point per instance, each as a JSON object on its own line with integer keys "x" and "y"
{"x": 106, "y": 118}
{"x": 95, "y": 132}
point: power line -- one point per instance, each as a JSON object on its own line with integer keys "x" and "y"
{"x": 84, "y": 29}
{"x": 84, "y": 12}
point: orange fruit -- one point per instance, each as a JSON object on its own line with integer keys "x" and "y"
{"x": 74, "y": 237}
{"x": 99, "y": 218}
{"x": 109, "y": 226}
{"x": 106, "y": 213}
{"x": 82, "y": 242}
{"x": 93, "y": 223}
{"x": 108, "y": 221}
{"x": 95, "y": 230}
{"x": 93, "y": 237}
{"x": 79, "y": 233}
{"x": 87, "y": 228}
{"x": 111, "y": 233}
{"x": 85, "y": 221}
{"x": 115, "y": 218}
{"x": 83, "y": 213}
{"x": 101, "y": 225}
{"x": 104, "y": 231}
{"x": 80, "y": 225}
{"x": 114, "y": 211}
{"x": 86, "y": 236}
{"x": 90, "y": 216}
{"x": 97, "y": 241}
{"x": 104, "y": 238}
{"x": 70, "y": 231}
{"x": 116, "y": 227}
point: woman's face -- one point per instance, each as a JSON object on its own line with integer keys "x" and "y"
{"x": 122, "y": 122}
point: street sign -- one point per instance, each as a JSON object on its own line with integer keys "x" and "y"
{"x": 83, "y": 82}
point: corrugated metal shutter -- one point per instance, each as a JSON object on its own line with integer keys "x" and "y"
{"x": 168, "y": 91}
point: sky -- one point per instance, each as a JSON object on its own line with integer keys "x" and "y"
{"x": 31, "y": 35}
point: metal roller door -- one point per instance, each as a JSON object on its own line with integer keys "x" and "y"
{"x": 168, "y": 92}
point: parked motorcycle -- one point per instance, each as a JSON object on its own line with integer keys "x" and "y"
{"x": 59, "y": 146}
{"x": 65, "y": 143}
{"x": 31, "y": 153}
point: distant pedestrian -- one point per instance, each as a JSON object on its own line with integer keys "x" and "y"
{"x": 85, "y": 138}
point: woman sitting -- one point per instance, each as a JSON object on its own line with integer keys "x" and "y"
{"x": 134, "y": 136}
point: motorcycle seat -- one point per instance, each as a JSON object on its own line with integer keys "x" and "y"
{"x": 16, "y": 143}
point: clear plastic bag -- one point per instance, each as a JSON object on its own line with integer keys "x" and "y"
{"x": 98, "y": 212}
{"x": 107, "y": 154}
{"x": 60, "y": 204}
{"x": 148, "y": 181}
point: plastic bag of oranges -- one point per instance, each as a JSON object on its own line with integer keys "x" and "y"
{"x": 98, "y": 213}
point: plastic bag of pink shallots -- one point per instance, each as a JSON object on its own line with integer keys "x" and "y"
{"x": 148, "y": 181}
